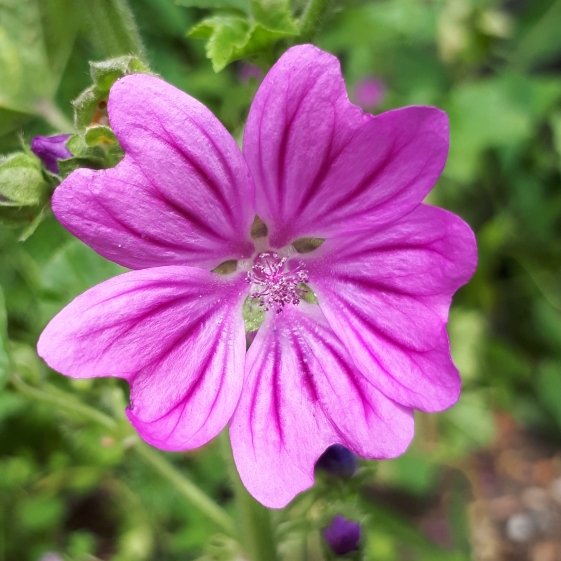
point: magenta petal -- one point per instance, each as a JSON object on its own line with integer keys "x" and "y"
{"x": 299, "y": 121}
{"x": 387, "y": 296}
{"x": 176, "y": 334}
{"x": 302, "y": 394}
{"x": 183, "y": 194}
{"x": 321, "y": 166}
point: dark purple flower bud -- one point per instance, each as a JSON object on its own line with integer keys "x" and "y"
{"x": 342, "y": 535}
{"x": 50, "y": 149}
{"x": 339, "y": 461}
{"x": 369, "y": 93}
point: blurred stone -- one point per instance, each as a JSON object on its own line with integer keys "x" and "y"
{"x": 520, "y": 528}
{"x": 50, "y": 556}
{"x": 504, "y": 507}
{"x": 486, "y": 541}
{"x": 544, "y": 472}
{"x": 546, "y": 551}
{"x": 555, "y": 490}
{"x": 535, "y": 498}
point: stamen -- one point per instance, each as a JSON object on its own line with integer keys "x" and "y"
{"x": 274, "y": 287}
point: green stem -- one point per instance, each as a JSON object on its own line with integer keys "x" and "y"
{"x": 112, "y": 25}
{"x": 68, "y": 404}
{"x": 54, "y": 116}
{"x": 188, "y": 489}
{"x": 311, "y": 18}
{"x": 254, "y": 522}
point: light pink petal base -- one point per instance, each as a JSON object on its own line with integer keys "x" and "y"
{"x": 304, "y": 394}
{"x": 386, "y": 295}
{"x": 176, "y": 334}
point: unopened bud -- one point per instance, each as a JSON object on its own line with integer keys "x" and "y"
{"x": 338, "y": 461}
{"x": 51, "y": 149}
{"x": 342, "y": 535}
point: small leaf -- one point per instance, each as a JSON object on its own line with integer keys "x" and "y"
{"x": 35, "y": 221}
{"x": 274, "y": 15}
{"x": 97, "y": 149}
{"x": 21, "y": 180}
{"x": 71, "y": 271}
{"x": 232, "y": 37}
{"x": 106, "y": 73}
{"x": 227, "y": 36}
{"x": 90, "y": 107}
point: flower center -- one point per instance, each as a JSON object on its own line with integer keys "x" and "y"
{"x": 272, "y": 284}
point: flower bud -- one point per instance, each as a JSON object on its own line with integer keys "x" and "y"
{"x": 24, "y": 190}
{"x": 50, "y": 149}
{"x": 342, "y": 535}
{"x": 338, "y": 461}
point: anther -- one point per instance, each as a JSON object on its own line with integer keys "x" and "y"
{"x": 274, "y": 287}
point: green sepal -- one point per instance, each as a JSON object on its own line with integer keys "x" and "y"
{"x": 90, "y": 107}
{"x": 253, "y": 315}
{"x": 21, "y": 180}
{"x": 98, "y": 148}
{"x": 25, "y": 190}
{"x": 106, "y": 73}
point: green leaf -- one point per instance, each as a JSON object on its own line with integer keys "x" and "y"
{"x": 232, "y": 37}
{"x": 4, "y": 358}
{"x": 21, "y": 180}
{"x": 90, "y": 107}
{"x": 24, "y": 67}
{"x": 274, "y": 15}
{"x": 98, "y": 148}
{"x": 61, "y": 20}
{"x": 112, "y": 27}
{"x": 13, "y": 215}
{"x": 24, "y": 192}
{"x": 70, "y": 272}
{"x": 242, "y": 5}
{"x": 106, "y": 73}
{"x": 227, "y": 36}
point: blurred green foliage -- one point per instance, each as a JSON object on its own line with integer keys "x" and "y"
{"x": 71, "y": 486}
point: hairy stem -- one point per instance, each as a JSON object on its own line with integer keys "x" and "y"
{"x": 311, "y": 18}
{"x": 188, "y": 489}
{"x": 254, "y": 522}
{"x": 113, "y": 28}
{"x": 68, "y": 404}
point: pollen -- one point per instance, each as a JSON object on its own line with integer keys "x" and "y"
{"x": 273, "y": 285}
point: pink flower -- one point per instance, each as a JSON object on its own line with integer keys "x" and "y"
{"x": 248, "y": 72}
{"x": 369, "y": 93}
{"x": 347, "y": 370}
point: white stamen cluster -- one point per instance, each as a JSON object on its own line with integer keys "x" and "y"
{"x": 272, "y": 285}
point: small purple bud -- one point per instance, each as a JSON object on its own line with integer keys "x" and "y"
{"x": 369, "y": 93}
{"x": 50, "y": 149}
{"x": 342, "y": 535}
{"x": 338, "y": 461}
{"x": 248, "y": 71}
